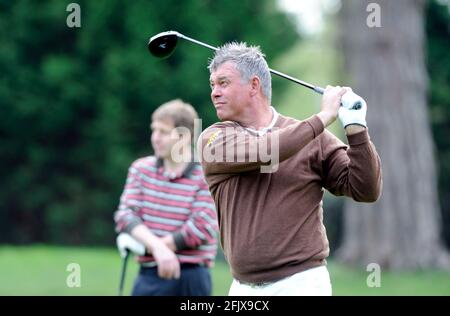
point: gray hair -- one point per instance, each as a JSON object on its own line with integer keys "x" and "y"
{"x": 249, "y": 62}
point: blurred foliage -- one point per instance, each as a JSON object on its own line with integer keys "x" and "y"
{"x": 75, "y": 103}
{"x": 438, "y": 64}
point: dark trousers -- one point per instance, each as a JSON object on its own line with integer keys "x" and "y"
{"x": 194, "y": 280}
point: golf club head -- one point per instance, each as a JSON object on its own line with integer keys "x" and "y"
{"x": 162, "y": 45}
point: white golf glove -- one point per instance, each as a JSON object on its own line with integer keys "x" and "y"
{"x": 353, "y": 110}
{"x": 127, "y": 243}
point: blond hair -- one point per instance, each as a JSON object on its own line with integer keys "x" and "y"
{"x": 181, "y": 113}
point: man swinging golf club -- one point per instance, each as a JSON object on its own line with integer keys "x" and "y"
{"x": 270, "y": 210}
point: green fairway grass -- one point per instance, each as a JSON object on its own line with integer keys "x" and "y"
{"x": 42, "y": 270}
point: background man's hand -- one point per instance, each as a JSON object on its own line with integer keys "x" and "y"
{"x": 167, "y": 261}
{"x": 169, "y": 242}
{"x": 126, "y": 242}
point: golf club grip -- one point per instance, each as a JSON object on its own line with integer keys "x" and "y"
{"x": 319, "y": 90}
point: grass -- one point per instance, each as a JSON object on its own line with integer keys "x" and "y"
{"x": 42, "y": 270}
{"x": 353, "y": 281}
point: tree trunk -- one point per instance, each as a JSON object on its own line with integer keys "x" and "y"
{"x": 386, "y": 65}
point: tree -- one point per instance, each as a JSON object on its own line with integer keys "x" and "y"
{"x": 438, "y": 64}
{"x": 387, "y": 67}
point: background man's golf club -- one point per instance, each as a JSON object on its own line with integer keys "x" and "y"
{"x": 122, "y": 274}
{"x": 162, "y": 45}
{"x": 127, "y": 245}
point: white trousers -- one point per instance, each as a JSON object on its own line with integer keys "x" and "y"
{"x": 312, "y": 282}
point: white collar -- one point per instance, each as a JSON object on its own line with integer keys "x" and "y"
{"x": 268, "y": 128}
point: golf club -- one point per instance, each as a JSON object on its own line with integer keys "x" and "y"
{"x": 127, "y": 245}
{"x": 162, "y": 45}
{"x": 122, "y": 274}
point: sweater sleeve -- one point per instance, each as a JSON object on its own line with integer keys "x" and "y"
{"x": 126, "y": 217}
{"x": 354, "y": 170}
{"x": 225, "y": 148}
{"x": 201, "y": 227}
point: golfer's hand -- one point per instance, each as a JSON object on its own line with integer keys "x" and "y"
{"x": 331, "y": 101}
{"x": 353, "y": 119}
{"x": 167, "y": 261}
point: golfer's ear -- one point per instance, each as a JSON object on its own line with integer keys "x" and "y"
{"x": 255, "y": 84}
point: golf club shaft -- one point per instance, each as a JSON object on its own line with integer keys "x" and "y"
{"x": 122, "y": 275}
{"x": 300, "y": 82}
{"x": 196, "y": 42}
{"x": 275, "y": 72}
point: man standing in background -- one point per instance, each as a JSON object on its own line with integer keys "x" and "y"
{"x": 167, "y": 207}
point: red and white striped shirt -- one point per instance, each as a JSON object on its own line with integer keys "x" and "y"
{"x": 181, "y": 206}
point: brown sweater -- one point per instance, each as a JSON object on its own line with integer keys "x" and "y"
{"x": 271, "y": 224}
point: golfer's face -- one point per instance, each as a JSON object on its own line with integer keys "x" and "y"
{"x": 163, "y": 137}
{"x": 228, "y": 93}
